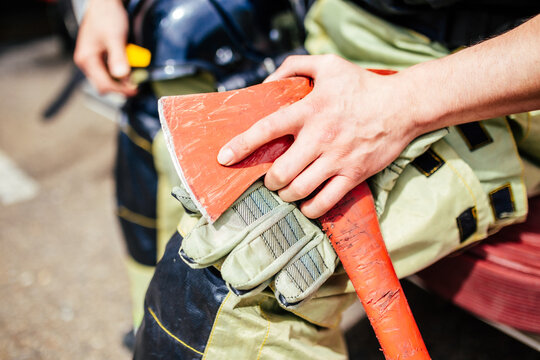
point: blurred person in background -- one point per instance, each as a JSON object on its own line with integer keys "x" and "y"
{"x": 196, "y": 46}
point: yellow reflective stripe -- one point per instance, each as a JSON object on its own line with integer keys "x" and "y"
{"x": 135, "y": 218}
{"x": 171, "y": 334}
{"x": 267, "y": 331}
{"x": 464, "y": 182}
{"x": 136, "y": 138}
{"x": 214, "y": 326}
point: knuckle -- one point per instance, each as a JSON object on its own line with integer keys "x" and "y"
{"x": 329, "y": 168}
{"x": 310, "y": 212}
{"x": 240, "y": 145}
{"x": 323, "y": 204}
{"x": 331, "y": 59}
{"x": 356, "y": 174}
{"x": 79, "y": 59}
{"x": 276, "y": 178}
{"x": 299, "y": 191}
{"x": 329, "y": 136}
{"x": 290, "y": 60}
{"x": 266, "y": 127}
{"x": 280, "y": 178}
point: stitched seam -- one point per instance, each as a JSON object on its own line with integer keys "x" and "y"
{"x": 463, "y": 181}
{"x": 267, "y": 332}
{"x": 171, "y": 334}
{"x": 281, "y": 231}
{"x": 301, "y": 276}
{"x": 262, "y": 234}
{"x": 314, "y": 266}
{"x": 135, "y": 218}
{"x": 214, "y": 325}
{"x": 312, "y": 262}
{"x": 309, "y": 256}
{"x": 392, "y": 170}
{"x": 396, "y": 165}
{"x": 297, "y": 221}
{"x": 270, "y": 228}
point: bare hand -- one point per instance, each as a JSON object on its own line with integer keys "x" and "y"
{"x": 100, "y": 49}
{"x": 348, "y": 128}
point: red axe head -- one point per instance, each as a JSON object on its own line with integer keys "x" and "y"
{"x": 197, "y": 126}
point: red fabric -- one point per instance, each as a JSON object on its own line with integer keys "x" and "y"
{"x": 499, "y": 279}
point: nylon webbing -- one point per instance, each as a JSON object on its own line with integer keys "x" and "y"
{"x": 282, "y": 235}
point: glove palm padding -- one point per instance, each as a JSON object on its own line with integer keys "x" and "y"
{"x": 261, "y": 239}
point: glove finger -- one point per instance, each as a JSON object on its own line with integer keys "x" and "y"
{"x": 306, "y": 272}
{"x": 207, "y": 243}
{"x": 180, "y": 194}
{"x": 272, "y": 244}
{"x": 256, "y": 261}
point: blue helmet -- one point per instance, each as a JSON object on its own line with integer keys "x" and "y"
{"x": 238, "y": 41}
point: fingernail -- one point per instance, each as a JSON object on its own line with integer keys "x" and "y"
{"x": 120, "y": 70}
{"x": 225, "y": 156}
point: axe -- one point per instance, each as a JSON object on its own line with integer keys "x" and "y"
{"x": 197, "y": 126}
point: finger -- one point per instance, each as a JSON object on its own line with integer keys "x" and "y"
{"x": 296, "y": 65}
{"x": 117, "y": 60}
{"x": 285, "y": 121}
{"x": 335, "y": 189}
{"x": 97, "y": 74}
{"x": 299, "y": 155}
{"x": 309, "y": 180}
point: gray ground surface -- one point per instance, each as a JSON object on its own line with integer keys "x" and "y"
{"x": 63, "y": 288}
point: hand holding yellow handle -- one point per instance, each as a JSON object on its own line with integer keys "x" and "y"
{"x": 138, "y": 57}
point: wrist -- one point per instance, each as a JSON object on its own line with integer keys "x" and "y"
{"x": 427, "y": 107}
{"x": 408, "y": 98}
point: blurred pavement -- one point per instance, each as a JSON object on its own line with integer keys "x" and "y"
{"x": 63, "y": 287}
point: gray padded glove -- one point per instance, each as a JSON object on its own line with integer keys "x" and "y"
{"x": 261, "y": 239}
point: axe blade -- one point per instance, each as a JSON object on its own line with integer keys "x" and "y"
{"x": 197, "y": 126}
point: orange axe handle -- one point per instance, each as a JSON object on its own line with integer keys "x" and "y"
{"x": 353, "y": 229}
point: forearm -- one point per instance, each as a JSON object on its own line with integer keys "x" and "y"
{"x": 497, "y": 77}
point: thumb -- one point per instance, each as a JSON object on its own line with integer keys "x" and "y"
{"x": 117, "y": 59}
{"x": 295, "y": 65}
